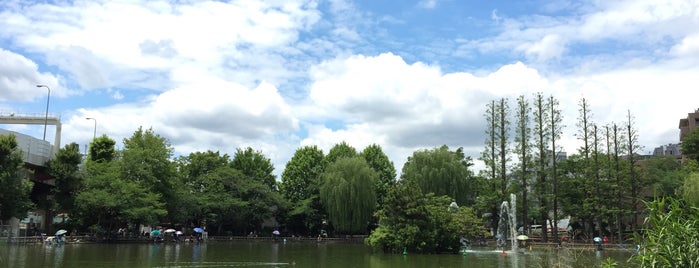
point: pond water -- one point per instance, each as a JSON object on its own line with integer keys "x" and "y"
{"x": 248, "y": 253}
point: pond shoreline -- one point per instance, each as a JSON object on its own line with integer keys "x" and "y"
{"x": 348, "y": 239}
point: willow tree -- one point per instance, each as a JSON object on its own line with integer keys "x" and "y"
{"x": 442, "y": 172}
{"x": 348, "y": 194}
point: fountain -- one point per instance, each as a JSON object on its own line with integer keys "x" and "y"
{"x": 507, "y": 224}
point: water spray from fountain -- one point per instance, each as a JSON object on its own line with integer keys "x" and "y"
{"x": 507, "y": 223}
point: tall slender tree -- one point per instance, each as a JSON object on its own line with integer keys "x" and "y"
{"x": 617, "y": 140}
{"x": 503, "y": 125}
{"x": 601, "y": 206}
{"x": 556, "y": 131}
{"x": 490, "y": 197}
{"x": 541, "y": 139}
{"x": 523, "y": 139}
{"x": 488, "y": 155}
{"x": 584, "y": 134}
{"x": 632, "y": 148}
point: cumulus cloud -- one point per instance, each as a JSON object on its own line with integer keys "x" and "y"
{"x": 216, "y": 74}
{"x": 106, "y": 44}
{"x": 635, "y": 24}
{"x": 19, "y": 77}
{"x": 382, "y": 99}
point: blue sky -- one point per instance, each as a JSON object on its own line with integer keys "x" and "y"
{"x": 407, "y": 75}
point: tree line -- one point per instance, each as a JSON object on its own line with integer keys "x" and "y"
{"x": 602, "y": 186}
{"x": 435, "y": 202}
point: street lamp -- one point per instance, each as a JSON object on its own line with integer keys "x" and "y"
{"x": 94, "y": 132}
{"x": 46, "y": 117}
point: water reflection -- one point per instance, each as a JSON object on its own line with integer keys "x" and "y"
{"x": 275, "y": 254}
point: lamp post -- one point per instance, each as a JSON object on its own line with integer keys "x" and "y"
{"x": 46, "y": 117}
{"x": 94, "y": 132}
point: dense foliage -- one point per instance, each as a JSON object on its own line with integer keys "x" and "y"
{"x": 422, "y": 223}
{"x": 14, "y": 191}
{"x": 671, "y": 236}
{"x": 442, "y": 172}
{"x": 347, "y": 190}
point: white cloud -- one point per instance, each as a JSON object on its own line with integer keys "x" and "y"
{"x": 115, "y": 40}
{"x": 404, "y": 107}
{"x": 428, "y": 4}
{"x": 549, "y": 47}
{"x": 631, "y": 23}
{"x": 19, "y": 77}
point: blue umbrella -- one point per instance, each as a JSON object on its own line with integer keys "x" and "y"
{"x": 199, "y": 230}
{"x": 61, "y": 232}
{"x": 155, "y": 233}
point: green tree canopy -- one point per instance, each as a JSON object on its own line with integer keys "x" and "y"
{"x": 65, "y": 167}
{"x": 663, "y": 174}
{"x": 690, "y": 145}
{"x": 348, "y": 194}
{"x": 690, "y": 189}
{"x": 146, "y": 161}
{"x": 442, "y": 172}
{"x": 671, "y": 235}
{"x": 255, "y": 166}
{"x": 109, "y": 201}
{"x": 14, "y": 190}
{"x": 377, "y": 160}
{"x": 300, "y": 184}
{"x": 204, "y": 197}
{"x": 300, "y": 176}
{"x": 421, "y": 222}
{"x": 102, "y": 149}
{"x": 338, "y": 151}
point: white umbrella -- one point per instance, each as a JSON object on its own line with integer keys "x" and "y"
{"x": 61, "y": 232}
{"x": 178, "y": 233}
{"x": 170, "y": 230}
{"x": 275, "y": 232}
